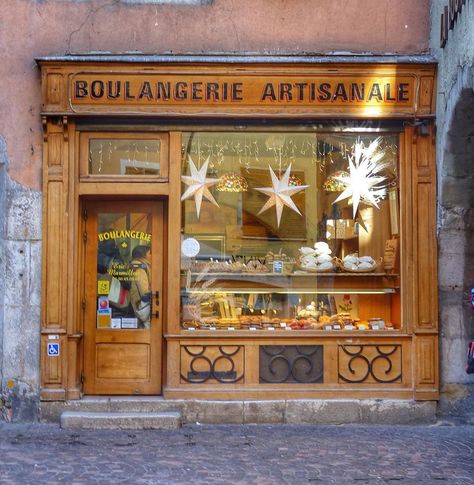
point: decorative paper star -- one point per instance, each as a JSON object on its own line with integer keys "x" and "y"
{"x": 198, "y": 185}
{"x": 362, "y": 183}
{"x": 280, "y": 193}
{"x": 359, "y": 220}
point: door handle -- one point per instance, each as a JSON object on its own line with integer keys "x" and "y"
{"x": 157, "y": 303}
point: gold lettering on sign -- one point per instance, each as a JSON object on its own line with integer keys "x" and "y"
{"x": 143, "y": 236}
{"x": 226, "y": 90}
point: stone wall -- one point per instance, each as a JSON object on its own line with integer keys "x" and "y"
{"x": 3, "y": 170}
{"x": 455, "y": 158}
{"x": 20, "y": 293}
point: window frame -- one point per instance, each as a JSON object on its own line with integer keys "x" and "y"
{"x": 404, "y": 167}
{"x": 86, "y": 136}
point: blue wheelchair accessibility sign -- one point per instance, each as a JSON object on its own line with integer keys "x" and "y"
{"x": 53, "y": 350}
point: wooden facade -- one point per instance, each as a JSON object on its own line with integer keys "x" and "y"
{"x": 102, "y": 98}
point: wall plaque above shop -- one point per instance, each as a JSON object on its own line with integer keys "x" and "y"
{"x": 369, "y": 90}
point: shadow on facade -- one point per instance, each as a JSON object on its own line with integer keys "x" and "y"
{"x": 456, "y": 248}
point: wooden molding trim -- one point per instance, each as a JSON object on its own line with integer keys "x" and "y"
{"x": 424, "y": 233}
{"x": 47, "y": 394}
{"x": 425, "y": 363}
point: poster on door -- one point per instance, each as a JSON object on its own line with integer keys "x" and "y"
{"x": 124, "y": 271}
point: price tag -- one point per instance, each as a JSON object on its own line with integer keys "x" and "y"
{"x": 271, "y": 328}
{"x": 252, "y": 328}
{"x": 212, "y": 328}
{"x": 328, "y": 327}
{"x": 278, "y": 266}
{"x": 191, "y": 329}
{"x": 375, "y": 327}
{"x": 231, "y": 328}
{"x": 288, "y": 328}
{"x": 336, "y": 327}
{"x": 349, "y": 327}
{"x": 283, "y": 325}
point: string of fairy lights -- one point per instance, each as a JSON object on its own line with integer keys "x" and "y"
{"x": 103, "y": 153}
{"x": 248, "y": 150}
{"x": 285, "y": 150}
{"x": 370, "y": 170}
{"x": 360, "y": 182}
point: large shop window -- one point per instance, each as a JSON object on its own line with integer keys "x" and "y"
{"x": 290, "y": 231}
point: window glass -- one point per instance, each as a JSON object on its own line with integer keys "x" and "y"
{"x": 290, "y": 231}
{"x": 120, "y": 156}
{"x": 124, "y": 270}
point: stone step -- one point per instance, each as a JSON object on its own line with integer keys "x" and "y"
{"x": 51, "y": 410}
{"x": 124, "y": 420}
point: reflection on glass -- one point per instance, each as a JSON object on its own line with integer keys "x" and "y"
{"x": 295, "y": 230}
{"x": 124, "y": 271}
{"x": 124, "y": 157}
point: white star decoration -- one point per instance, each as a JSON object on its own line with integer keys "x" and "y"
{"x": 362, "y": 183}
{"x": 198, "y": 185}
{"x": 280, "y": 193}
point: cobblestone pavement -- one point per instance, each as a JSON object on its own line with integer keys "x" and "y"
{"x": 37, "y": 454}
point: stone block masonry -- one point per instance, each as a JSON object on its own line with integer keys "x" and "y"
{"x": 455, "y": 157}
{"x": 3, "y": 169}
{"x": 20, "y": 296}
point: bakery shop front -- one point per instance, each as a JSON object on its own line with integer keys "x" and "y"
{"x": 239, "y": 228}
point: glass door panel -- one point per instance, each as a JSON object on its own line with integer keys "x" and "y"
{"x": 123, "y": 281}
{"x": 124, "y": 277}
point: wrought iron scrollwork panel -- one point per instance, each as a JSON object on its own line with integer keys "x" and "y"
{"x": 298, "y": 364}
{"x": 370, "y": 363}
{"x": 202, "y": 363}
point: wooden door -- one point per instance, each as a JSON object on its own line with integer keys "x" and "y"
{"x": 123, "y": 283}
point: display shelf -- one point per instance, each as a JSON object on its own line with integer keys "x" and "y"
{"x": 287, "y": 332}
{"x": 275, "y": 282}
{"x": 294, "y": 274}
{"x": 290, "y": 291}
{"x": 296, "y": 300}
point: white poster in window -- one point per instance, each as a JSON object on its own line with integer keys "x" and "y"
{"x": 129, "y": 323}
{"x": 190, "y": 247}
{"x": 393, "y": 200}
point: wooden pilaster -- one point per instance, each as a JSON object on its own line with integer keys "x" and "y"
{"x": 55, "y": 257}
{"x": 425, "y": 277}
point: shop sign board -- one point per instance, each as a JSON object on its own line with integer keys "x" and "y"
{"x": 245, "y": 90}
{"x": 368, "y": 90}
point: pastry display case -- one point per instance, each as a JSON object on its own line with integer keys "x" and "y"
{"x": 286, "y": 232}
{"x": 275, "y": 302}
